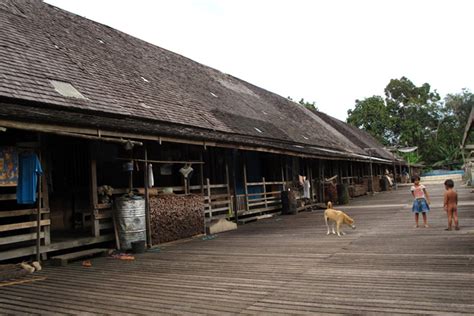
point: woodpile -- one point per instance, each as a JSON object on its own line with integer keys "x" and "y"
{"x": 359, "y": 189}
{"x": 175, "y": 217}
{"x": 377, "y": 186}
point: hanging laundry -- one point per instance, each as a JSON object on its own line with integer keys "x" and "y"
{"x": 151, "y": 178}
{"x": 301, "y": 179}
{"x": 29, "y": 168}
{"x": 306, "y": 187}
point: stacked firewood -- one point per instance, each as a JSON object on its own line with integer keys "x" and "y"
{"x": 175, "y": 217}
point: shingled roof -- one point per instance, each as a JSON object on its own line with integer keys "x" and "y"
{"x": 357, "y": 136}
{"x": 115, "y": 76}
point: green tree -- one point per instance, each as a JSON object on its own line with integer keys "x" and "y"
{"x": 413, "y": 115}
{"x": 309, "y": 105}
{"x": 412, "y": 157}
{"x": 445, "y": 146}
{"x": 371, "y": 115}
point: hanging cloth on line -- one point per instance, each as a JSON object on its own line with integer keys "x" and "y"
{"x": 29, "y": 168}
{"x": 306, "y": 187}
{"x": 151, "y": 178}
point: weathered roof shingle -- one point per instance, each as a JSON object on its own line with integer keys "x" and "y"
{"x": 124, "y": 76}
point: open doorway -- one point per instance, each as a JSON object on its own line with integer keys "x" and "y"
{"x": 68, "y": 179}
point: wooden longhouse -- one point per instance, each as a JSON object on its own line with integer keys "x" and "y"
{"x": 86, "y": 98}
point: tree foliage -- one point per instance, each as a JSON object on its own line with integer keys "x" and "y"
{"x": 413, "y": 115}
{"x": 309, "y": 105}
{"x": 371, "y": 115}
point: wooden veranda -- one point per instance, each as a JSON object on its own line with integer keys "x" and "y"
{"x": 283, "y": 265}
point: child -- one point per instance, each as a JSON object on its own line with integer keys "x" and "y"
{"x": 421, "y": 202}
{"x": 451, "y": 204}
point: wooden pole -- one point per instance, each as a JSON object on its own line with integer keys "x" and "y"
{"x": 45, "y": 205}
{"x": 147, "y": 201}
{"x": 38, "y": 215}
{"x": 371, "y": 174}
{"x": 208, "y": 195}
{"x": 38, "y": 220}
{"x": 394, "y": 175}
{"x": 201, "y": 171}
{"x": 234, "y": 185}
{"x": 323, "y": 182}
{"x": 246, "y": 188}
{"x": 282, "y": 175}
{"x": 227, "y": 182}
{"x": 94, "y": 197}
{"x": 265, "y": 192}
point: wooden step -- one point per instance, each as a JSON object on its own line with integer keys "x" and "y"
{"x": 63, "y": 260}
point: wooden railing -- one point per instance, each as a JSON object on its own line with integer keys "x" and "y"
{"x": 217, "y": 197}
{"x": 218, "y": 200}
{"x": 252, "y": 206}
{"x": 20, "y": 225}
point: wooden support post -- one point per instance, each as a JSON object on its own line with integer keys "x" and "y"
{"x": 394, "y": 176}
{"x": 371, "y": 176}
{"x": 94, "y": 198}
{"x": 246, "y": 188}
{"x": 323, "y": 181}
{"x": 309, "y": 178}
{"x": 234, "y": 186}
{"x": 208, "y": 186}
{"x": 265, "y": 192}
{"x": 282, "y": 175}
{"x": 38, "y": 213}
{"x": 147, "y": 201}
{"x": 227, "y": 182}
{"x": 46, "y": 229}
{"x": 38, "y": 220}
{"x": 201, "y": 174}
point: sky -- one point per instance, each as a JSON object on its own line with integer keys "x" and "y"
{"x": 331, "y": 52}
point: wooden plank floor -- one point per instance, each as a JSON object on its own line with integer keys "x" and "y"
{"x": 283, "y": 265}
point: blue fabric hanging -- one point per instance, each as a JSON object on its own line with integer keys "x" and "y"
{"x": 29, "y": 168}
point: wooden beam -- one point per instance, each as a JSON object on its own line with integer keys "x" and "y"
{"x": 27, "y": 251}
{"x": 227, "y": 182}
{"x": 147, "y": 201}
{"x": 94, "y": 196}
{"x": 245, "y": 187}
{"x": 31, "y": 224}
{"x": 208, "y": 187}
{"x": 46, "y": 229}
{"x": 14, "y": 213}
{"x": 19, "y": 238}
{"x": 50, "y": 128}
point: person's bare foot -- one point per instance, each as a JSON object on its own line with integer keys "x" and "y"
{"x": 416, "y": 226}
{"x": 449, "y": 228}
{"x": 457, "y": 228}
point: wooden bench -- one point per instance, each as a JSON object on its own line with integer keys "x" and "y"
{"x": 63, "y": 260}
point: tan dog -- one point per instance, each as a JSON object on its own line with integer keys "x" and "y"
{"x": 338, "y": 218}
